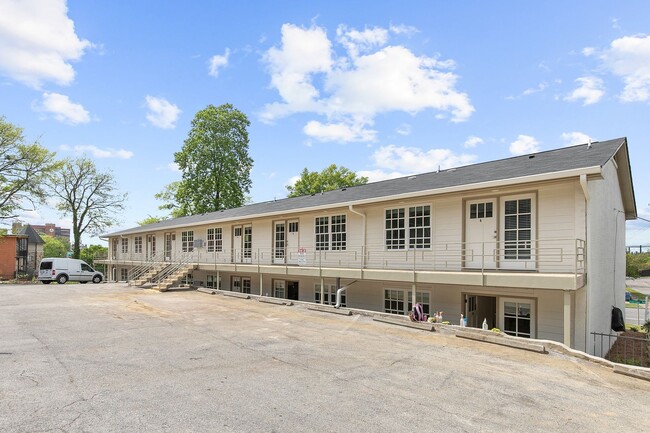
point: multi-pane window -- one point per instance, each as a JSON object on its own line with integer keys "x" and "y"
{"x": 211, "y": 282}
{"x": 517, "y": 318}
{"x": 395, "y": 232}
{"x": 187, "y": 241}
{"x": 246, "y": 285}
{"x": 480, "y": 210}
{"x": 321, "y": 228}
{"x": 151, "y": 239}
{"x": 422, "y": 298}
{"x": 420, "y": 227}
{"x": 279, "y": 289}
{"x": 293, "y": 227}
{"x": 137, "y": 245}
{"x": 124, "y": 274}
{"x": 329, "y": 295}
{"x": 518, "y": 229}
{"x": 215, "y": 240}
{"x": 339, "y": 235}
{"x": 393, "y": 301}
{"x": 280, "y": 239}
{"x": 331, "y": 233}
{"x": 125, "y": 245}
{"x": 248, "y": 241}
{"x": 414, "y": 230}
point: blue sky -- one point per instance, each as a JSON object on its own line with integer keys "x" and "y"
{"x": 383, "y": 88}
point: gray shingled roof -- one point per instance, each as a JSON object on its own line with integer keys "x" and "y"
{"x": 32, "y": 236}
{"x": 568, "y": 158}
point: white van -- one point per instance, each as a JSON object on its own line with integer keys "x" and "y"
{"x": 63, "y": 270}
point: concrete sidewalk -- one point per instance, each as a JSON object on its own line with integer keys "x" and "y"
{"x": 110, "y": 358}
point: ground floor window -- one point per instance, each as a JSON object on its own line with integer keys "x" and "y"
{"x": 518, "y": 317}
{"x": 187, "y": 280}
{"x": 279, "y": 289}
{"x": 241, "y": 284}
{"x": 124, "y": 274}
{"x": 211, "y": 282}
{"x": 329, "y": 295}
{"x": 398, "y": 301}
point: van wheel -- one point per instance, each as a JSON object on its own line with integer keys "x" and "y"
{"x": 46, "y": 282}
{"x": 62, "y": 279}
{"x": 97, "y": 279}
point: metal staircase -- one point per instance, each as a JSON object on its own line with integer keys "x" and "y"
{"x": 171, "y": 274}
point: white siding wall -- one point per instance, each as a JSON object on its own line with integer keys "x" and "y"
{"x": 606, "y": 259}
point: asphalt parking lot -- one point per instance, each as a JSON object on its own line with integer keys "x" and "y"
{"x": 111, "y": 358}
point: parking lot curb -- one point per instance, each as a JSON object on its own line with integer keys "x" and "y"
{"x": 633, "y": 371}
{"x": 326, "y": 309}
{"x": 424, "y": 326}
{"x": 274, "y": 301}
{"x": 503, "y": 341}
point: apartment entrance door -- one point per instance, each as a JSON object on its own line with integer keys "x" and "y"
{"x": 481, "y": 234}
{"x": 170, "y": 243}
{"x": 478, "y": 308}
{"x": 292, "y": 290}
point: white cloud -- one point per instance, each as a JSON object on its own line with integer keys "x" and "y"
{"x": 524, "y": 144}
{"x": 356, "y": 41}
{"x": 218, "y": 62}
{"x": 63, "y": 109}
{"x": 103, "y": 153}
{"x": 472, "y": 141}
{"x": 574, "y": 138}
{"x": 162, "y": 113}
{"x": 372, "y": 79}
{"x": 404, "y": 129}
{"x": 414, "y": 160}
{"x": 590, "y": 91}
{"x": 38, "y": 42}
{"x": 378, "y": 175}
{"x": 172, "y": 166}
{"x": 588, "y": 51}
{"x": 341, "y": 132}
{"x": 403, "y": 29}
{"x": 629, "y": 58}
{"x": 540, "y": 88}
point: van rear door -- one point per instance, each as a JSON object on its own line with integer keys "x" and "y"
{"x": 45, "y": 269}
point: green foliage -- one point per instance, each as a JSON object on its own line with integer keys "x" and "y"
{"x": 646, "y": 326}
{"x": 89, "y": 196}
{"x": 215, "y": 164}
{"x": 90, "y": 253}
{"x": 635, "y": 263}
{"x": 331, "y": 178}
{"x": 151, "y": 220}
{"x": 22, "y": 170}
{"x": 54, "y": 247}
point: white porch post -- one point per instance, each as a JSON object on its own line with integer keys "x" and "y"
{"x": 322, "y": 289}
{"x": 567, "y": 318}
{"x": 261, "y": 289}
{"x": 413, "y": 296}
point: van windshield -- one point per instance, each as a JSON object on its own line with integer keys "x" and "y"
{"x": 46, "y": 265}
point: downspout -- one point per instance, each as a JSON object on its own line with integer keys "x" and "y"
{"x": 363, "y": 235}
{"x": 585, "y": 191}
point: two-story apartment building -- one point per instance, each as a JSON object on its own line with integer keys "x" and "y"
{"x": 534, "y": 244}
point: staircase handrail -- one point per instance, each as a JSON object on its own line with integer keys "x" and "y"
{"x": 173, "y": 267}
{"x": 152, "y": 261}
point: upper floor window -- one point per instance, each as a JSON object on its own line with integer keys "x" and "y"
{"x": 187, "y": 241}
{"x": 331, "y": 233}
{"x": 518, "y": 229}
{"x": 137, "y": 244}
{"x": 125, "y": 245}
{"x": 414, "y": 231}
{"x": 215, "y": 240}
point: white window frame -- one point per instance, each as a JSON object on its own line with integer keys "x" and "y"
{"x": 330, "y": 232}
{"x": 404, "y": 225}
{"x": 124, "y": 274}
{"x": 329, "y": 295}
{"x": 519, "y": 260}
{"x": 125, "y": 245}
{"x": 279, "y": 289}
{"x": 214, "y": 237}
{"x": 403, "y": 296}
{"x": 533, "y": 316}
{"x": 187, "y": 241}
{"x": 210, "y": 281}
{"x": 137, "y": 245}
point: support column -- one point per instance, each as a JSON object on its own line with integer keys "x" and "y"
{"x": 261, "y": 288}
{"x": 216, "y": 283}
{"x": 413, "y": 294}
{"x": 567, "y": 318}
{"x": 322, "y": 289}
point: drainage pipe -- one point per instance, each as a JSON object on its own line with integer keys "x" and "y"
{"x": 363, "y": 235}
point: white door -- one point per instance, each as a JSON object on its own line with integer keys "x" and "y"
{"x": 237, "y": 243}
{"x": 293, "y": 241}
{"x": 151, "y": 246}
{"x": 280, "y": 243}
{"x": 481, "y": 234}
{"x": 170, "y": 244}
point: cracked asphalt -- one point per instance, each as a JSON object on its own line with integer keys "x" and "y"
{"x": 111, "y": 358}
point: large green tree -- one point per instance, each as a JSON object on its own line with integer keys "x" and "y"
{"x": 89, "y": 196}
{"x": 332, "y": 177}
{"x": 22, "y": 169}
{"x": 54, "y": 247}
{"x": 214, "y": 162}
